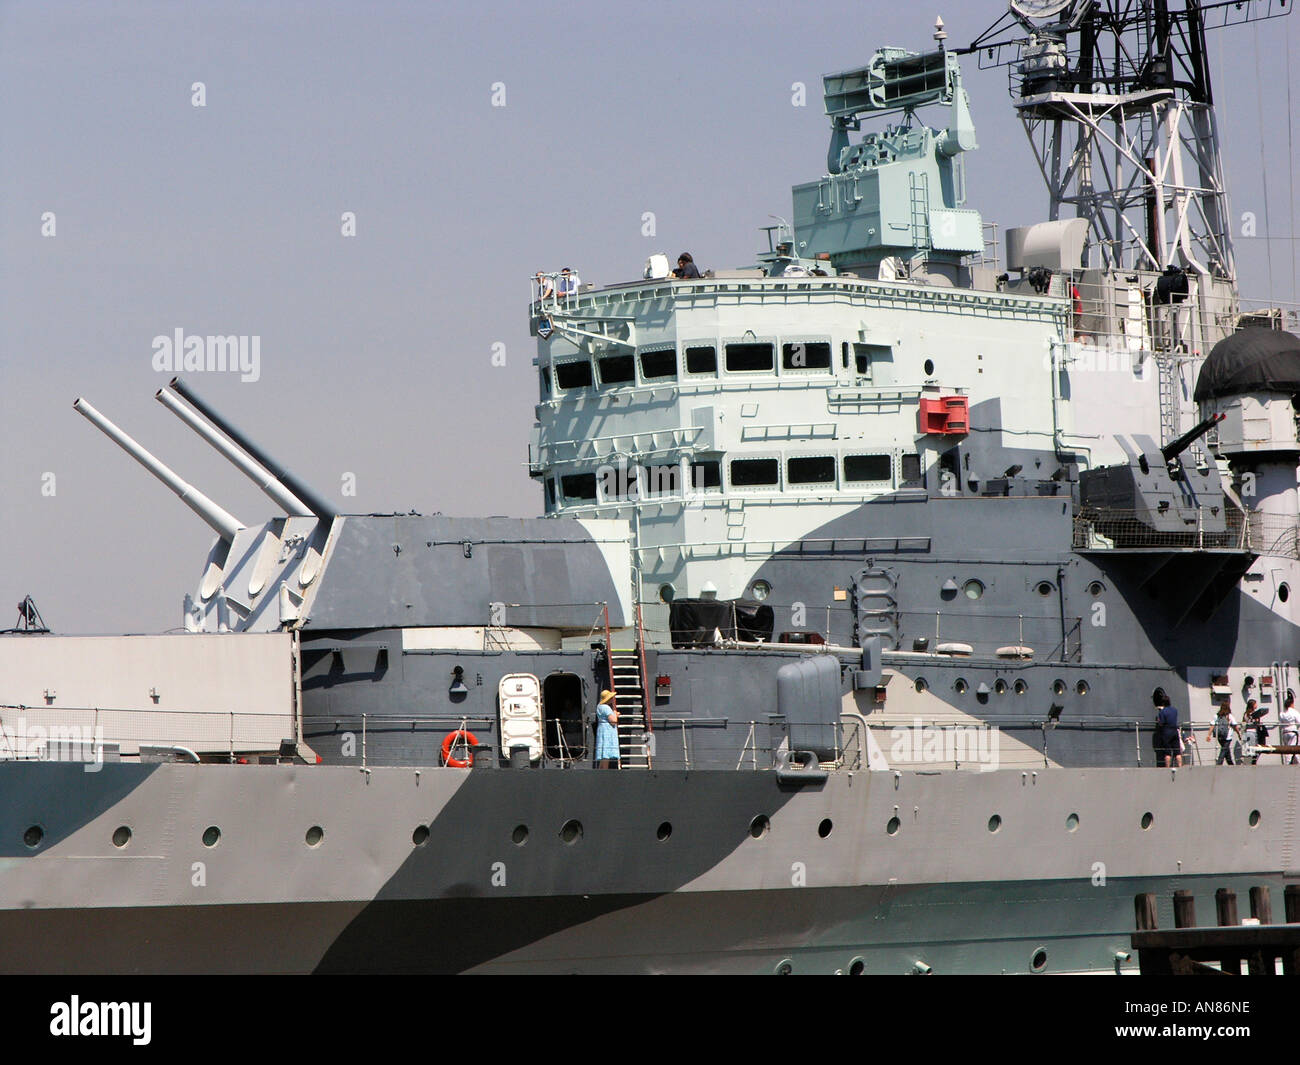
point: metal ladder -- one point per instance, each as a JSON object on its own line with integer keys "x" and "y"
{"x": 627, "y": 679}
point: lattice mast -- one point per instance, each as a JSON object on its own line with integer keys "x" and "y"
{"x": 1117, "y": 102}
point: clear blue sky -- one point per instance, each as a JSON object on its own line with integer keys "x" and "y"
{"x": 376, "y": 351}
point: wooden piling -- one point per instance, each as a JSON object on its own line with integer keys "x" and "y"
{"x": 1144, "y": 909}
{"x": 1184, "y": 909}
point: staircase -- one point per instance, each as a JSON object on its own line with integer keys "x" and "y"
{"x": 629, "y": 701}
{"x": 627, "y": 681}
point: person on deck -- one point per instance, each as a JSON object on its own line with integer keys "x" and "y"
{"x": 1168, "y": 743}
{"x": 1222, "y": 729}
{"x": 606, "y": 733}
{"x": 686, "y": 268}
{"x": 1289, "y": 721}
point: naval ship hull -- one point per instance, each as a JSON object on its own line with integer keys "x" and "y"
{"x": 700, "y": 871}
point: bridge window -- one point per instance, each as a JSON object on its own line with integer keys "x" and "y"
{"x": 617, "y": 369}
{"x": 702, "y": 359}
{"x": 705, "y": 475}
{"x": 749, "y": 358}
{"x": 910, "y": 469}
{"x": 579, "y": 487}
{"x": 544, "y": 375}
{"x": 658, "y": 364}
{"x": 806, "y": 355}
{"x": 575, "y": 374}
{"x": 550, "y": 490}
{"x": 754, "y": 473}
{"x": 810, "y": 469}
{"x": 867, "y": 468}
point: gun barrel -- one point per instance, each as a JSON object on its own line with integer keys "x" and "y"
{"x": 1176, "y": 447}
{"x": 255, "y": 471}
{"x": 314, "y": 502}
{"x": 223, "y": 523}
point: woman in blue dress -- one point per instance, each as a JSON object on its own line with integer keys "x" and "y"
{"x": 606, "y": 733}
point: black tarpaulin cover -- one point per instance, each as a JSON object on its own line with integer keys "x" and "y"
{"x": 693, "y": 621}
{"x": 1252, "y": 360}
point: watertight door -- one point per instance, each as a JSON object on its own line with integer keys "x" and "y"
{"x": 520, "y": 698}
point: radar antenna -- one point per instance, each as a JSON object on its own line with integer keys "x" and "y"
{"x": 29, "y": 618}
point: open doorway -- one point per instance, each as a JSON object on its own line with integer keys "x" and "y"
{"x": 565, "y": 737}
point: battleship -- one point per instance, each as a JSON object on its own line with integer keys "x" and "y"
{"x": 883, "y": 549}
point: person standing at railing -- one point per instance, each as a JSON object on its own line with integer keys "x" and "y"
{"x": 1255, "y": 720}
{"x": 606, "y": 733}
{"x": 545, "y": 290}
{"x": 1168, "y": 743}
{"x": 1289, "y": 720}
{"x": 568, "y": 284}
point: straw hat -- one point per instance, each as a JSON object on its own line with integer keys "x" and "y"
{"x": 606, "y": 697}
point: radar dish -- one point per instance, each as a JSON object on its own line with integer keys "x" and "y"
{"x": 1038, "y": 9}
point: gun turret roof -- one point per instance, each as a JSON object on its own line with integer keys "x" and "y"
{"x": 1251, "y": 360}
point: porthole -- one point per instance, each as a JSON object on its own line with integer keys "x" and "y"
{"x": 784, "y": 967}
{"x": 1021, "y": 687}
{"x": 758, "y": 828}
{"x": 1039, "y": 961}
{"x": 1072, "y": 823}
{"x": 420, "y": 836}
{"x": 893, "y": 826}
{"x": 960, "y": 685}
{"x": 929, "y": 367}
{"x": 1058, "y": 687}
{"x": 1044, "y": 588}
{"x": 922, "y": 684}
{"x": 666, "y": 593}
{"x": 1082, "y": 687}
{"x": 1284, "y": 591}
{"x": 519, "y": 836}
{"x": 760, "y": 590}
{"x": 33, "y": 836}
{"x": 571, "y": 832}
{"x": 857, "y": 967}
{"x": 1096, "y": 588}
{"x": 995, "y": 823}
{"x": 121, "y": 837}
{"x": 973, "y": 589}
{"x": 1147, "y": 820}
{"x": 824, "y": 829}
{"x": 1254, "y": 818}
{"x": 1000, "y": 686}
{"x": 314, "y": 836}
{"x": 664, "y": 831}
{"x": 211, "y": 836}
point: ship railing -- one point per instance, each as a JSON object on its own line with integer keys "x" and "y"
{"x": 67, "y": 733}
{"x": 1116, "y": 528}
{"x": 546, "y": 295}
{"x": 838, "y": 628}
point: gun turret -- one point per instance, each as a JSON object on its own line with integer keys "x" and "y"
{"x": 1175, "y": 448}
{"x": 258, "y": 473}
{"x": 223, "y": 523}
{"x": 295, "y": 487}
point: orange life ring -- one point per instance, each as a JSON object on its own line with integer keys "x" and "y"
{"x": 457, "y": 763}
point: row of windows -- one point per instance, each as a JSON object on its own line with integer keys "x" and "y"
{"x": 615, "y": 484}
{"x": 661, "y": 364}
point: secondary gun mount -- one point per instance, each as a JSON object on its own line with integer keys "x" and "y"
{"x": 1153, "y": 498}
